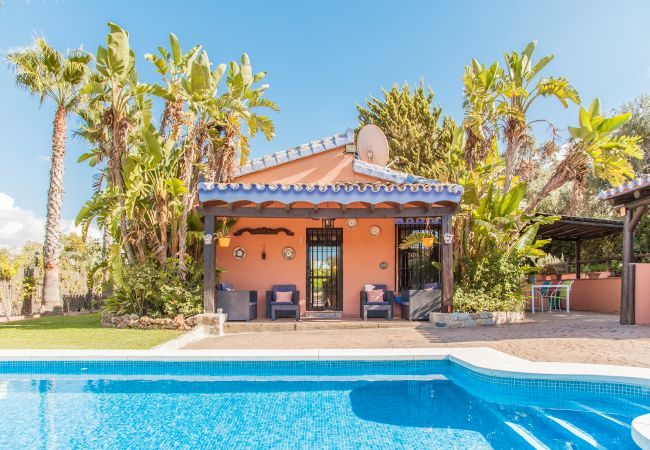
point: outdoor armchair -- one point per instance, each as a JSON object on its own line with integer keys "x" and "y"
{"x": 238, "y": 305}
{"x": 271, "y": 299}
{"x": 383, "y": 308}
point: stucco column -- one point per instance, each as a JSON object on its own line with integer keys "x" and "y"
{"x": 627, "y": 291}
{"x": 447, "y": 265}
{"x": 209, "y": 265}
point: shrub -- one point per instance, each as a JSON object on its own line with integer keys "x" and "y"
{"x": 492, "y": 284}
{"x": 148, "y": 289}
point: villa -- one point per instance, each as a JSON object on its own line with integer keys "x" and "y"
{"x": 324, "y": 218}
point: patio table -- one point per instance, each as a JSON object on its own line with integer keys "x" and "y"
{"x": 567, "y": 287}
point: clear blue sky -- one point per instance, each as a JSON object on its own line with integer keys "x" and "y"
{"x": 322, "y": 57}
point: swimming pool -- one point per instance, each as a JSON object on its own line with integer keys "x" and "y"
{"x": 305, "y": 404}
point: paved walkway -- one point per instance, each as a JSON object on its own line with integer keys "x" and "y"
{"x": 580, "y": 337}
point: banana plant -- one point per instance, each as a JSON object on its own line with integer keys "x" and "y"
{"x": 505, "y": 96}
{"x": 595, "y": 148}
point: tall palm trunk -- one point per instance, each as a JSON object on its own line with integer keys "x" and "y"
{"x": 195, "y": 143}
{"x": 52, "y": 253}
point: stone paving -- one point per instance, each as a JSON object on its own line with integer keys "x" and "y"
{"x": 580, "y": 337}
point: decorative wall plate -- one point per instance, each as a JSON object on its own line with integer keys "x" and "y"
{"x": 288, "y": 253}
{"x": 383, "y": 265}
{"x": 374, "y": 230}
{"x": 352, "y": 222}
{"x": 239, "y": 253}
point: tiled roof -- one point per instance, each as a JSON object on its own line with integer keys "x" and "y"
{"x": 638, "y": 183}
{"x": 343, "y": 193}
{"x": 384, "y": 173}
{"x": 294, "y": 153}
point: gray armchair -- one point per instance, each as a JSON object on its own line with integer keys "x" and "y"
{"x": 377, "y": 309}
{"x": 416, "y": 304}
{"x": 288, "y": 309}
{"x": 239, "y": 305}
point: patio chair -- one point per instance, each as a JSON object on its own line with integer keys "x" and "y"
{"x": 559, "y": 295}
{"x": 239, "y": 305}
{"x": 274, "y": 308}
{"x": 416, "y": 304}
{"x": 542, "y": 294}
{"x": 376, "y": 308}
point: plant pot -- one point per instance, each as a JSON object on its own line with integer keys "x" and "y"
{"x": 224, "y": 241}
{"x": 428, "y": 241}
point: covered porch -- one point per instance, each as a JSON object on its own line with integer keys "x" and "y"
{"x": 286, "y": 232}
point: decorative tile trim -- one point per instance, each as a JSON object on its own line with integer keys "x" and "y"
{"x": 638, "y": 183}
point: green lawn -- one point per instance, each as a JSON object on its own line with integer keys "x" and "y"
{"x": 77, "y": 332}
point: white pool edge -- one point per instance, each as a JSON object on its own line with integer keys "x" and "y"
{"x": 480, "y": 359}
{"x": 641, "y": 431}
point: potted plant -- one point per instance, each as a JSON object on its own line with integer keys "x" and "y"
{"x": 223, "y": 235}
{"x": 428, "y": 241}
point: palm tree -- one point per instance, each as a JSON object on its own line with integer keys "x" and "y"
{"x": 47, "y": 73}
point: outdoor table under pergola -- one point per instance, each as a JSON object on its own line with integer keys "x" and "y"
{"x": 632, "y": 199}
{"x": 422, "y": 200}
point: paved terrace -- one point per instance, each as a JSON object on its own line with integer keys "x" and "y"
{"x": 580, "y": 337}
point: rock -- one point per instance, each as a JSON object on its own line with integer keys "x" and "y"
{"x": 179, "y": 321}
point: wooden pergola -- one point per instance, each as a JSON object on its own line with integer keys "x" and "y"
{"x": 577, "y": 230}
{"x": 423, "y": 199}
{"x": 632, "y": 199}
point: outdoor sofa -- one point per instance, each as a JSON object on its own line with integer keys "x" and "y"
{"x": 239, "y": 305}
{"x": 416, "y": 304}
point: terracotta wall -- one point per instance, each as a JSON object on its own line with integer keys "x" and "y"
{"x": 327, "y": 167}
{"x": 596, "y": 295}
{"x": 362, "y": 255}
{"x": 642, "y": 294}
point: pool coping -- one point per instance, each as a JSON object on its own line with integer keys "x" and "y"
{"x": 479, "y": 359}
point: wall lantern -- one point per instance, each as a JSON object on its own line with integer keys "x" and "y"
{"x": 207, "y": 239}
{"x": 448, "y": 237}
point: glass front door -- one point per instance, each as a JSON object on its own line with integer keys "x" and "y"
{"x": 324, "y": 269}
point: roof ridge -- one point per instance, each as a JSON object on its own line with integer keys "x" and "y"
{"x": 294, "y": 153}
{"x": 388, "y": 174}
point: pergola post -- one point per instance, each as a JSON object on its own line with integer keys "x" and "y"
{"x": 209, "y": 265}
{"x": 447, "y": 265}
{"x": 627, "y": 291}
{"x": 578, "y": 262}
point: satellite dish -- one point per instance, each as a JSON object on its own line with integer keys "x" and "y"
{"x": 372, "y": 145}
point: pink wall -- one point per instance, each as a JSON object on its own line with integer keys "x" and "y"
{"x": 597, "y": 295}
{"x": 362, "y": 255}
{"x": 642, "y": 294}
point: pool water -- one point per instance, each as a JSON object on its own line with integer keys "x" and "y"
{"x": 421, "y": 404}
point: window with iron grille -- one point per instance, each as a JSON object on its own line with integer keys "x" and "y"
{"x": 415, "y": 265}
